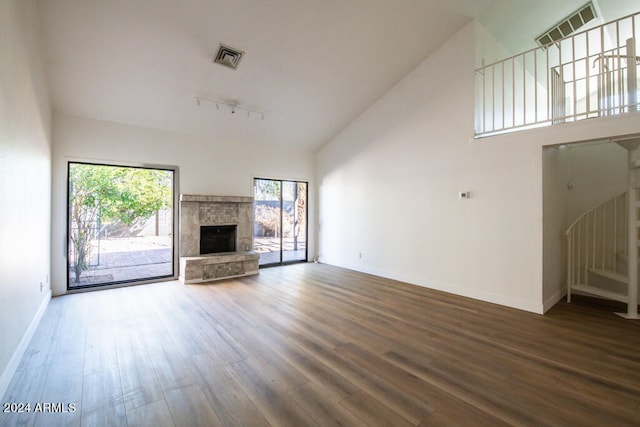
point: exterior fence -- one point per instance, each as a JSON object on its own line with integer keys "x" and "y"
{"x": 592, "y": 73}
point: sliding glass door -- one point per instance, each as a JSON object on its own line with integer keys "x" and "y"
{"x": 120, "y": 224}
{"x": 280, "y": 221}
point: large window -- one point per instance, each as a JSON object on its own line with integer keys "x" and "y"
{"x": 120, "y": 224}
{"x": 280, "y": 221}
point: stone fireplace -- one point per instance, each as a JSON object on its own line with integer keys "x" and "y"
{"x": 216, "y": 238}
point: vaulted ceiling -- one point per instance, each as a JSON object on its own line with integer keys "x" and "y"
{"x": 311, "y": 66}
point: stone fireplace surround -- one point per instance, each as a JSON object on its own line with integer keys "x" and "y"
{"x": 199, "y": 210}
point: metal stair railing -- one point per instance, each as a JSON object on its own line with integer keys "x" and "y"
{"x": 597, "y": 243}
{"x": 591, "y": 73}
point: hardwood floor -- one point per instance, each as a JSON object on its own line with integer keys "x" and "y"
{"x": 311, "y": 344}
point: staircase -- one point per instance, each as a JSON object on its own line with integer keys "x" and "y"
{"x": 602, "y": 244}
{"x": 597, "y": 251}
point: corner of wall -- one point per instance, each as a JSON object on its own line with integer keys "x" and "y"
{"x": 553, "y": 300}
{"x": 25, "y": 182}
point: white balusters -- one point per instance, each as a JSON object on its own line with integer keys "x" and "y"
{"x": 589, "y": 74}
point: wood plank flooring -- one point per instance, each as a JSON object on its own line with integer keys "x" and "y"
{"x": 311, "y": 344}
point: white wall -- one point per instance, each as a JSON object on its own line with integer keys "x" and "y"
{"x": 488, "y": 49}
{"x": 25, "y": 183}
{"x": 555, "y": 199}
{"x": 388, "y": 188}
{"x": 205, "y": 167}
{"x": 597, "y": 172}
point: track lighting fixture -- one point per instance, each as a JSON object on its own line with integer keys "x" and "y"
{"x": 233, "y": 106}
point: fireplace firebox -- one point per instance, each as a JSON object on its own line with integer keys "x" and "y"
{"x": 217, "y": 239}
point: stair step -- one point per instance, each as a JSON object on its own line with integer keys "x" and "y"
{"x": 592, "y": 290}
{"x": 623, "y": 257}
{"x": 610, "y": 274}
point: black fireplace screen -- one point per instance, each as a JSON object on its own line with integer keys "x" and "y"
{"x": 217, "y": 238}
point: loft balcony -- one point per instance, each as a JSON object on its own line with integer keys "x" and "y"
{"x": 593, "y": 73}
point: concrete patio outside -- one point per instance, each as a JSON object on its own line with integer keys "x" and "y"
{"x": 138, "y": 258}
{"x": 127, "y": 259}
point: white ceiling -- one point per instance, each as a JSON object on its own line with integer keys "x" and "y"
{"x": 312, "y": 66}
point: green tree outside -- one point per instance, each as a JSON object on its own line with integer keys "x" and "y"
{"x": 111, "y": 193}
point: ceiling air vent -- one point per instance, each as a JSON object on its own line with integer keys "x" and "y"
{"x": 228, "y": 56}
{"x": 568, "y": 25}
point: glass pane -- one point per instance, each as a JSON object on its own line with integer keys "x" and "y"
{"x": 266, "y": 228}
{"x": 294, "y": 236}
{"x": 120, "y": 224}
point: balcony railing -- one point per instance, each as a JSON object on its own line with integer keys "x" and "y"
{"x": 593, "y": 73}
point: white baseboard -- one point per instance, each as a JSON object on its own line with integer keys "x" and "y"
{"x": 11, "y": 367}
{"x": 520, "y": 304}
{"x": 553, "y": 300}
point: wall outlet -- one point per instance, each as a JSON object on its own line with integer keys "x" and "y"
{"x": 40, "y": 286}
{"x": 359, "y": 254}
{"x": 464, "y": 195}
